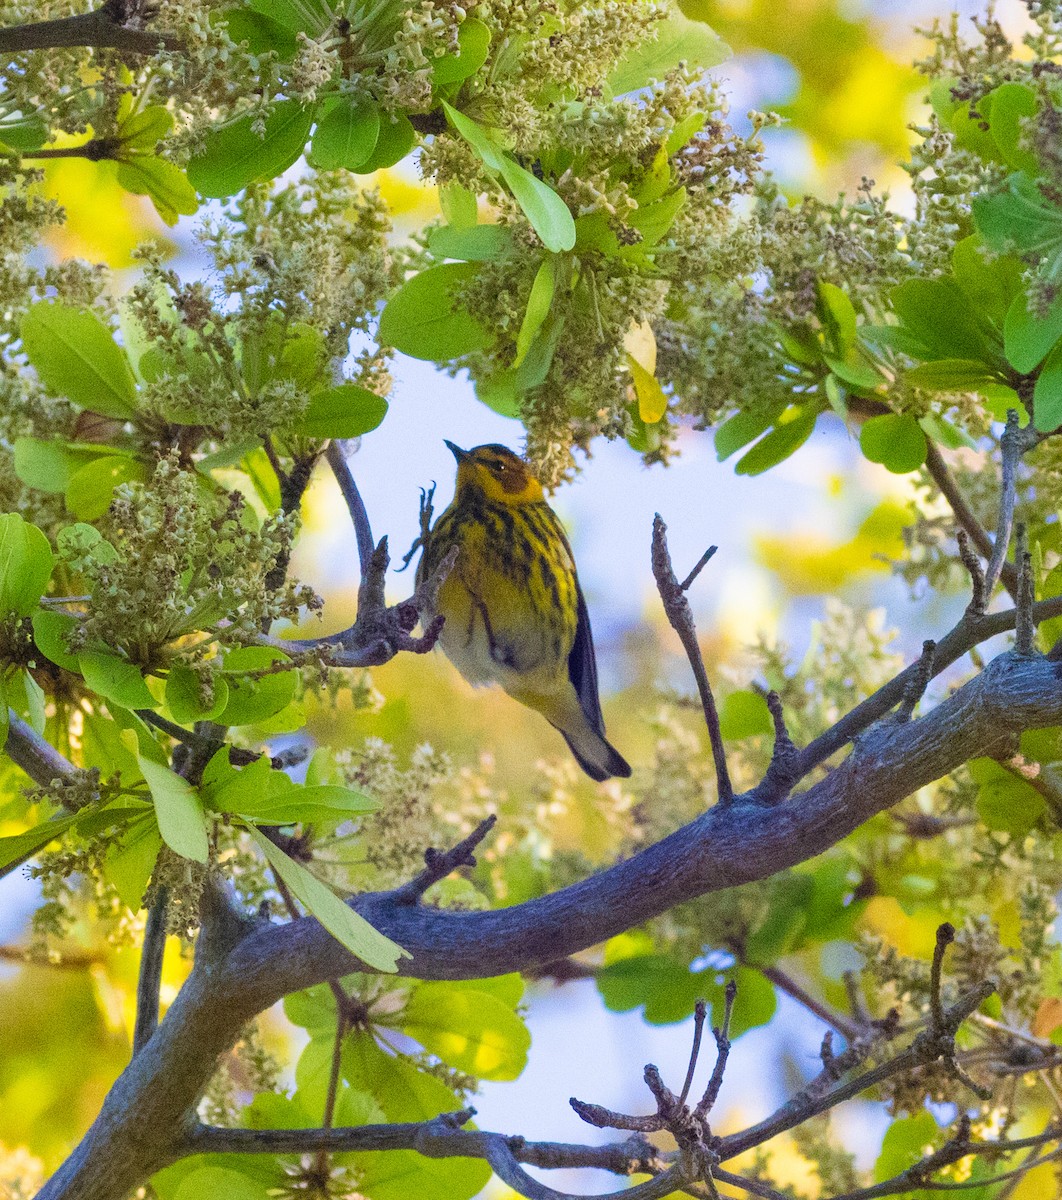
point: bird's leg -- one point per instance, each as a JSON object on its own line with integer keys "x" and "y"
{"x": 426, "y": 512}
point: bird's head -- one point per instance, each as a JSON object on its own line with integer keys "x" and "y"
{"x": 497, "y": 472}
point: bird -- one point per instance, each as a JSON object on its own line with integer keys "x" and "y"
{"x": 514, "y": 611}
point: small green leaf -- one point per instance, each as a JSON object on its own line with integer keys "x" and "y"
{"x": 254, "y": 699}
{"x": 130, "y": 862}
{"x": 144, "y": 129}
{"x": 1020, "y": 218}
{"x": 422, "y": 321}
{"x": 211, "y": 1182}
{"x": 781, "y": 442}
{"x": 26, "y": 562}
{"x": 677, "y": 39}
{"x": 344, "y": 411}
{"x": 74, "y": 354}
{"x": 653, "y": 221}
{"x": 1011, "y": 104}
{"x": 164, "y": 182}
{"x": 477, "y": 138}
{"x": 341, "y": 921}
{"x": 115, "y": 679}
{"x": 896, "y": 441}
{"x": 745, "y": 714}
{"x": 538, "y": 305}
{"x": 45, "y": 466}
{"x": 754, "y": 1006}
{"x": 235, "y": 155}
{"x": 837, "y": 316}
{"x": 952, "y": 375}
{"x": 179, "y": 811}
{"x": 941, "y": 317}
{"x": 261, "y": 33}
{"x": 91, "y": 488}
{"x": 855, "y": 372}
{"x": 50, "y": 631}
{"x": 665, "y": 986}
{"x": 23, "y": 845}
{"x": 346, "y": 135}
{"x": 475, "y": 243}
{"x": 740, "y": 429}
{"x": 989, "y": 285}
{"x": 472, "y": 1031}
{"x": 1028, "y": 338}
{"x": 473, "y": 42}
{"x": 459, "y": 207}
{"x": 549, "y": 215}
{"x": 184, "y": 696}
{"x": 397, "y": 137}
{"x": 905, "y": 1142}
{"x": 1047, "y": 395}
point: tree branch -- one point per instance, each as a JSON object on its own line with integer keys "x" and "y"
{"x": 105, "y": 28}
{"x": 149, "y": 981}
{"x": 28, "y": 750}
{"x": 677, "y": 608}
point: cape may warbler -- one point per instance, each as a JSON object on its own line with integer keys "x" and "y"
{"x": 515, "y": 614}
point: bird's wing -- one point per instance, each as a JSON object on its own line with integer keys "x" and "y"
{"x": 582, "y": 666}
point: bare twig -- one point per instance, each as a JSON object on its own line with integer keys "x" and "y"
{"x": 678, "y": 611}
{"x": 28, "y": 750}
{"x": 784, "y": 982}
{"x": 149, "y": 981}
{"x": 337, "y": 460}
{"x": 722, "y": 1047}
{"x": 700, "y": 1011}
{"x": 1025, "y": 628}
{"x": 916, "y": 687}
{"x": 976, "y": 572}
{"x": 945, "y": 937}
{"x": 1011, "y": 448}
{"x": 780, "y": 776}
{"x": 971, "y": 528}
{"x": 440, "y": 863}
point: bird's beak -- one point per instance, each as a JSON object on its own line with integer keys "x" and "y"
{"x": 456, "y": 451}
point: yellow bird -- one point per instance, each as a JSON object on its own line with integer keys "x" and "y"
{"x": 515, "y": 614}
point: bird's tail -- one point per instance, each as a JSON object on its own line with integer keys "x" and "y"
{"x": 594, "y": 754}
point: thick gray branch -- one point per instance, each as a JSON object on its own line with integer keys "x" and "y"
{"x": 102, "y": 30}
{"x": 724, "y": 847}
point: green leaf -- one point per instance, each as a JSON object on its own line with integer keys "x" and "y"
{"x": 422, "y": 321}
{"x": 472, "y": 1031}
{"x": 952, "y": 375}
{"x": 490, "y": 153}
{"x": 397, "y": 137}
{"x": 678, "y": 39}
{"x": 296, "y": 15}
{"x": 212, "y": 1182}
{"x": 261, "y": 33}
{"x": 26, "y": 562}
{"x": 838, "y": 317}
{"x": 1027, "y": 338}
{"x": 91, "y": 488}
{"x": 989, "y": 285}
{"x": 896, "y": 441}
{"x": 23, "y": 845}
{"x": 341, "y": 921}
{"x": 1011, "y": 104}
{"x": 473, "y": 42}
{"x": 664, "y": 986}
{"x": 460, "y": 209}
{"x": 855, "y": 372}
{"x": 50, "y": 632}
{"x": 539, "y": 303}
{"x": 653, "y": 221}
{"x": 1020, "y": 218}
{"x": 179, "y": 811}
{"x": 164, "y": 182}
{"x": 346, "y": 135}
{"x": 780, "y": 443}
{"x": 115, "y": 679}
{"x": 344, "y": 411}
{"x": 130, "y": 862}
{"x": 252, "y": 700}
{"x": 740, "y": 429}
{"x": 754, "y": 1005}
{"x": 24, "y": 132}
{"x": 234, "y": 155}
{"x": 549, "y": 215}
{"x": 940, "y": 316}
{"x": 184, "y": 696}
{"x": 45, "y": 466}
{"x": 745, "y": 714}
{"x": 785, "y": 919}
{"x": 905, "y": 1142}
{"x": 1047, "y": 395}
{"x": 74, "y": 354}
{"x": 475, "y": 243}
{"x": 302, "y": 356}
{"x": 1005, "y": 801}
